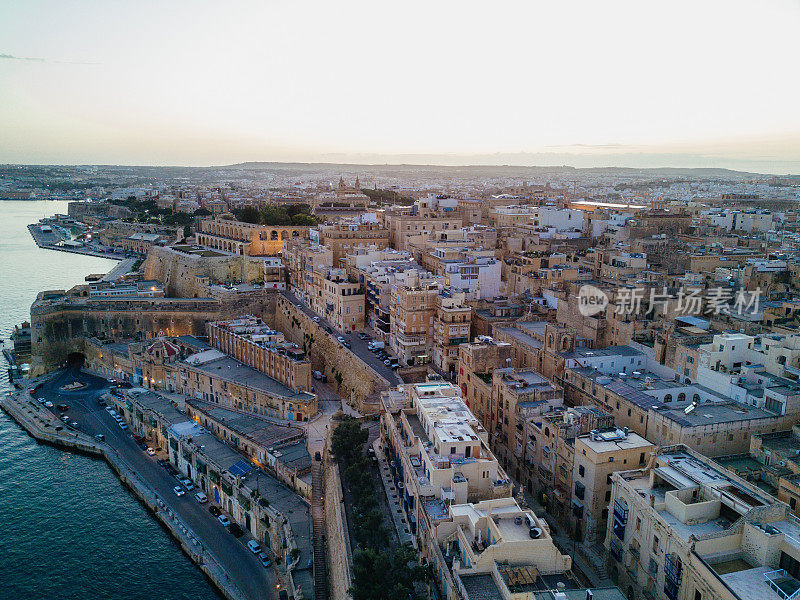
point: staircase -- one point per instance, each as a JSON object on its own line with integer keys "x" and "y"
{"x": 318, "y": 526}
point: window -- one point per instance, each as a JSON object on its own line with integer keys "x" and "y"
{"x": 655, "y": 544}
{"x": 581, "y": 470}
{"x": 638, "y": 523}
{"x": 610, "y": 459}
{"x": 608, "y": 498}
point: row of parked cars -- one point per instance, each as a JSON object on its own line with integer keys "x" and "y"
{"x": 379, "y": 349}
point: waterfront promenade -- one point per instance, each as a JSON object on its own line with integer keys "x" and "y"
{"x": 225, "y": 560}
{"x": 51, "y": 241}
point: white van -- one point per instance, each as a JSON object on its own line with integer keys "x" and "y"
{"x": 254, "y": 547}
{"x": 201, "y": 497}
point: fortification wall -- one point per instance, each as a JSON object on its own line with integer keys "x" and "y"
{"x": 60, "y": 327}
{"x": 357, "y": 383}
{"x": 181, "y": 273}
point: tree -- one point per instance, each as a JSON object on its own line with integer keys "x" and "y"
{"x": 303, "y": 220}
{"x": 386, "y": 575}
{"x": 348, "y": 440}
{"x": 249, "y": 214}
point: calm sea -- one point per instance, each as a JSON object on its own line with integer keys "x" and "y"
{"x": 69, "y": 529}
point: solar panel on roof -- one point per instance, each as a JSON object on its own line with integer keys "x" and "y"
{"x": 240, "y": 468}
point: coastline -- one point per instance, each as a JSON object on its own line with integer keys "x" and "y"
{"x": 41, "y": 428}
{"x": 32, "y": 228}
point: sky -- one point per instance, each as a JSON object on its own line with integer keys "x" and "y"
{"x": 587, "y": 83}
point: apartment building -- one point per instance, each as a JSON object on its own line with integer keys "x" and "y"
{"x": 214, "y": 377}
{"x": 549, "y": 455}
{"x": 478, "y": 277}
{"x": 519, "y": 398}
{"x": 377, "y": 271}
{"x": 425, "y": 217}
{"x": 451, "y": 326}
{"x": 340, "y": 299}
{"x": 599, "y": 454}
{"x": 345, "y": 235}
{"x": 248, "y": 340}
{"x": 684, "y": 528}
{"x": 302, "y": 259}
{"x": 476, "y": 361}
{"x": 437, "y": 449}
{"x": 274, "y": 273}
{"x": 668, "y": 412}
{"x": 412, "y": 314}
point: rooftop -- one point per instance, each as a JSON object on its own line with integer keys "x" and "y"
{"x": 223, "y": 367}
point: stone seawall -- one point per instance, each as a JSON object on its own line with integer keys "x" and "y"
{"x": 41, "y": 427}
{"x": 357, "y": 383}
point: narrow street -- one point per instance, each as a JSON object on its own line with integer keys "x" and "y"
{"x": 358, "y": 346}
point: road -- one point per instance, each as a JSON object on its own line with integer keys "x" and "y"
{"x": 241, "y": 565}
{"x": 358, "y": 346}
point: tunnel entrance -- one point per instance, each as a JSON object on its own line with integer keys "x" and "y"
{"x": 76, "y": 359}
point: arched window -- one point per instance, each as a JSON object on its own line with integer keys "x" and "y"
{"x": 273, "y": 235}
{"x": 668, "y": 398}
{"x": 696, "y": 398}
{"x": 681, "y": 397}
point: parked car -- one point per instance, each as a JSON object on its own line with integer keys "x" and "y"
{"x": 48, "y": 404}
{"x": 151, "y": 452}
{"x": 387, "y": 362}
{"x": 254, "y": 546}
{"x": 316, "y": 319}
{"x": 264, "y": 559}
{"x": 74, "y": 424}
{"x": 100, "y": 437}
{"x": 214, "y": 510}
{"x": 178, "y": 490}
{"x": 101, "y": 402}
{"x": 235, "y": 530}
{"x": 41, "y": 400}
{"x": 63, "y": 407}
{"x": 122, "y": 425}
{"x": 110, "y": 410}
{"x": 347, "y": 345}
{"x": 65, "y": 418}
{"x": 226, "y": 522}
{"x": 201, "y": 497}
{"x": 340, "y": 339}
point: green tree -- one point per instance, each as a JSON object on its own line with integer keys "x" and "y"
{"x": 348, "y": 440}
{"x": 249, "y": 214}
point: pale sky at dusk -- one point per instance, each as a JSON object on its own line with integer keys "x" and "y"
{"x": 700, "y": 83}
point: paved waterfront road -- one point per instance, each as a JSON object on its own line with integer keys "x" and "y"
{"x": 242, "y": 566}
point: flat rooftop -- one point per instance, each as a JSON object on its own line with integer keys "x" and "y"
{"x": 229, "y": 369}
{"x": 522, "y": 337}
{"x": 708, "y": 414}
{"x": 258, "y": 429}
